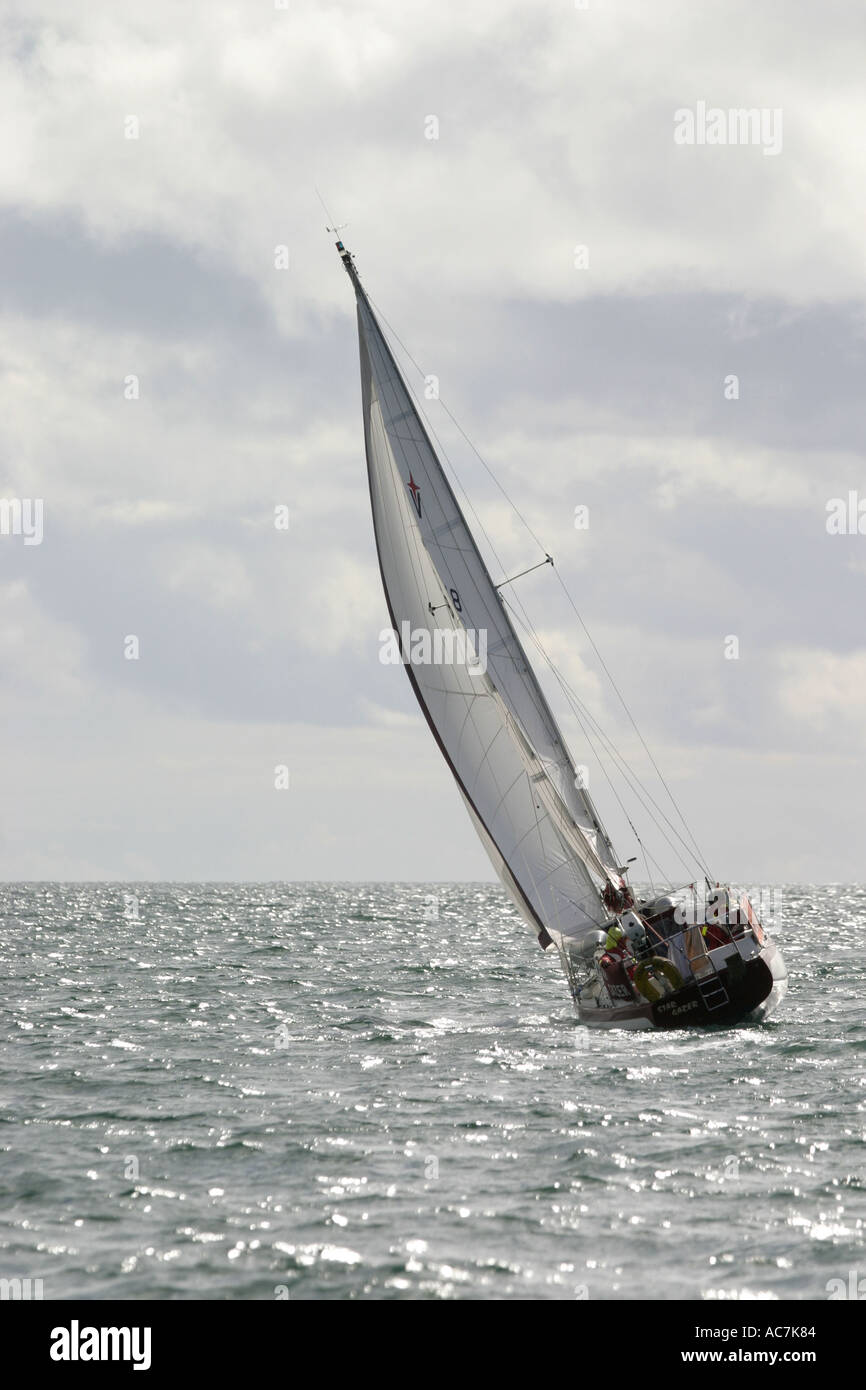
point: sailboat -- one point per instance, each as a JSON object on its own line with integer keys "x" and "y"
{"x": 671, "y": 959}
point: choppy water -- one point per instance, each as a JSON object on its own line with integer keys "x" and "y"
{"x": 327, "y": 1090}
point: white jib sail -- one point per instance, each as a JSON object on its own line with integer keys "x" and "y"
{"x": 488, "y": 714}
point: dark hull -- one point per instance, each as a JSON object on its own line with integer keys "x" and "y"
{"x": 687, "y": 1009}
{"x": 752, "y": 987}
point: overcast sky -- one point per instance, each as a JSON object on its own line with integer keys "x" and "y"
{"x": 599, "y": 384}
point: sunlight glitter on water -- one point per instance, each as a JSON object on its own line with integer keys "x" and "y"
{"x": 316, "y": 1088}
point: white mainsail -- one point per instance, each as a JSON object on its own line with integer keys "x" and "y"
{"x": 489, "y": 717}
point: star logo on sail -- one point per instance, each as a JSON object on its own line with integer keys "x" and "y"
{"x": 416, "y": 494}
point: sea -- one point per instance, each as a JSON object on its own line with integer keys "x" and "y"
{"x": 381, "y": 1091}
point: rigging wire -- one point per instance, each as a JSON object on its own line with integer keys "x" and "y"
{"x": 692, "y": 849}
{"x": 697, "y": 850}
{"x": 581, "y": 712}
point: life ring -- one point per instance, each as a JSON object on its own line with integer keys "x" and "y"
{"x": 649, "y": 987}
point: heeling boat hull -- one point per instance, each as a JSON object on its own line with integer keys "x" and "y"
{"x": 751, "y": 997}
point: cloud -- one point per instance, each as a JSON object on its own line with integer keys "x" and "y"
{"x": 572, "y": 109}
{"x": 600, "y": 386}
{"x": 825, "y": 691}
{"x": 43, "y": 660}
